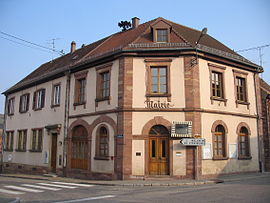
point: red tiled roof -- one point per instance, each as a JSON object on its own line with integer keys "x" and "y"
{"x": 120, "y": 40}
{"x": 264, "y": 85}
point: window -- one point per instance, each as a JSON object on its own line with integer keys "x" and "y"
{"x": 36, "y": 142}
{"x": 11, "y": 102}
{"x": 80, "y": 88}
{"x": 56, "y": 95}
{"x": 80, "y": 91}
{"x": 105, "y": 84}
{"x": 39, "y": 99}
{"x": 244, "y": 151}
{"x": 24, "y": 103}
{"x": 162, "y": 35}
{"x": 21, "y": 140}
{"x": 102, "y": 143}
{"x": 217, "y": 84}
{"x": 241, "y": 89}
{"x": 9, "y": 141}
{"x": 158, "y": 80}
{"x": 219, "y": 145}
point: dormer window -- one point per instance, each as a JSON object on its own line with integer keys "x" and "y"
{"x": 162, "y": 35}
{"x": 161, "y": 31}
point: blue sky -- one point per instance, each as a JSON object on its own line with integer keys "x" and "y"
{"x": 239, "y": 24}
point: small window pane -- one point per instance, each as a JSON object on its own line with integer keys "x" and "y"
{"x": 154, "y": 72}
{"x": 153, "y": 148}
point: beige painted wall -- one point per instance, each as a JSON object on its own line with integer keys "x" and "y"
{"x": 177, "y": 83}
{"x": 230, "y": 165}
{"x": 103, "y": 166}
{"x": 179, "y": 159}
{"x": 37, "y": 119}
{"x": 138, "y": 166}
{"x": 229, "y": 90}
{"x": 90, "y": 106}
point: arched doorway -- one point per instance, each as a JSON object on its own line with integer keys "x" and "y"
{"x": 79, "y": 158}
{"x": 158, "y": 150}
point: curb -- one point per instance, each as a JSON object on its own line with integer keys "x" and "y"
{"x": 149, "y": 184}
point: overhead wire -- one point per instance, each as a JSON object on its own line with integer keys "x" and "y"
{"x": 25, "y": 45}
{"x": 32, "y": 43}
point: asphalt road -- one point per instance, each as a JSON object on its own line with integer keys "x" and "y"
{"x": 255, "y": 189}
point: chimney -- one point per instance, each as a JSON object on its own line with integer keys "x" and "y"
{"x": 135, "y": 22}
{"x": 73, "y": 47}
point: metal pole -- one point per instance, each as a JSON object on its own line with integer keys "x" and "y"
{"x": 196, "y": 164}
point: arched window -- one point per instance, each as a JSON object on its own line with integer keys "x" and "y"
{"x": 102, "y": 142}
{"x": 219, "y": 142}
{"x": 159, "y": 130}
{"x": 244, "y": 151}
{"x": 79, "y": 148}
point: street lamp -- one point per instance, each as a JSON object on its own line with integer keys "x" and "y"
{"x": 203, "y": 32}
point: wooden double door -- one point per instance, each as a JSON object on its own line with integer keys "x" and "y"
{"x": 158, "y": 151}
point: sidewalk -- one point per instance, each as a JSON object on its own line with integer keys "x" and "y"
{"x": 155, "y": 182}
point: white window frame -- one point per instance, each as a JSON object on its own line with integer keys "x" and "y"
{"x": 56, "y": 95}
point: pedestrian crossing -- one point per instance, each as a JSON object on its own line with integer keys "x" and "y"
{"x": 40, "y": 187}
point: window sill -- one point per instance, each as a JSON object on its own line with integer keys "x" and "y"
{"x": 22, "y": 112}
{"x": 218, "y": 99}
{"x": 31, "y": 150}
{"x": 107, "y": 158}
{"x": 244, "y": 158}
{"x": 102, "y": 99}
{"x": 37, "y": 109}
{"x": 11, "y": 114}
{"x": 20, "y": 150}
{"x": 55, "y": 105}
{"x": 158, "y": 95}
{"x": 79, "y": 103}
{"x": 242, "y": 102}
{"x": 220, "y": 158}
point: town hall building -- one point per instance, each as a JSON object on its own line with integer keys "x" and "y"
{"x": 159, "y": 99}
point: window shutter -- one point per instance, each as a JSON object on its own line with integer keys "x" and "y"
{"x": 11, "y": 143}
{"x": 42, "y": 97}
{"x": 39, "y": 146}
{"x": 24, "y": 139}
{"x": 34, "y": 100}
{"x": 27, "y": 102}
{"x": 20, "y": 107}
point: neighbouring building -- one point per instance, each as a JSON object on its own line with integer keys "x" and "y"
{"x": 136, "y": 104}
{"x": 265, "y": 96}
{"x": 1, "y": 134}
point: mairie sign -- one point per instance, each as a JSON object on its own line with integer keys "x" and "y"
{"x": 193, "y": 141}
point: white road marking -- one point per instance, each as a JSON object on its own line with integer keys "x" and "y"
{"x": 11, "y": 192}
{"x": 87, "y": 199}
{"x": 54, "y": 185}
{"x": 74, "y": 184}
{"x": 41, "y": 187}
{"x": 23, "y": 188}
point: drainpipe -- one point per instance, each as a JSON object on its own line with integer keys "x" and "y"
{"x": 3, "y": 137}
{"x": 66, "y": 122}
{"x": 259, "y": 139}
